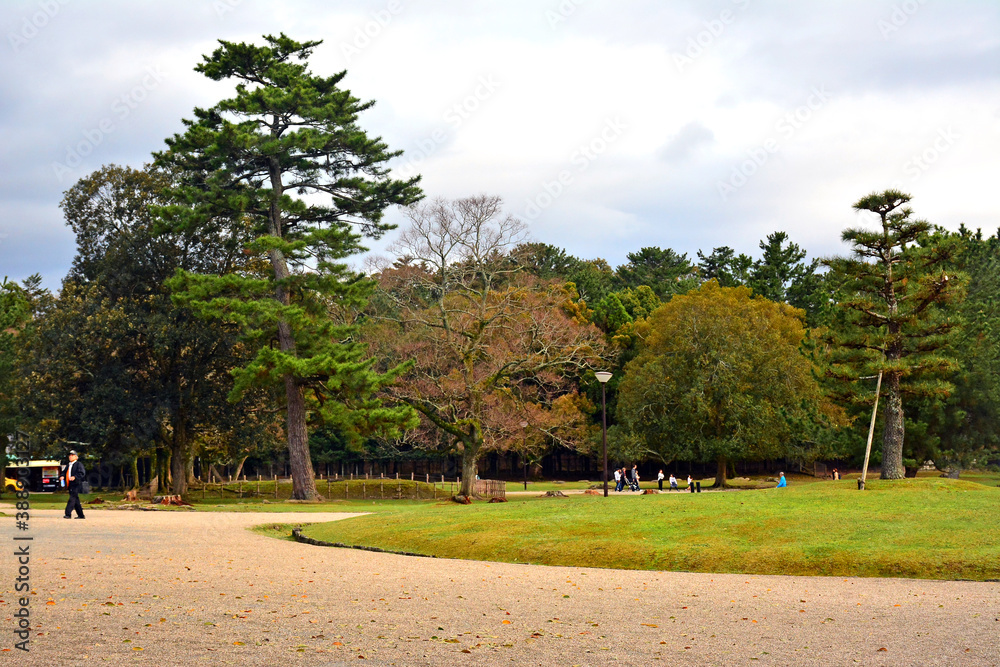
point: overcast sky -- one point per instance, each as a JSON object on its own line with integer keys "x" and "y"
{"x": 608, "y": 126}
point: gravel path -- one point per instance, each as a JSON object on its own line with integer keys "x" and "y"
{"x": 197, "y": 588}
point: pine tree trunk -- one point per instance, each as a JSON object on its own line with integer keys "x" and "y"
{"x": 303, "y": 475}
{"x": 892, "y": 433}
{"x": 720, "y": 473}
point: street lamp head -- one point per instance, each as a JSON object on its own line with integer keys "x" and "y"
{"x": 602, "y": 376}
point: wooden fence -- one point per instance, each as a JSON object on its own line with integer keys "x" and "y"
{"x": 350, "y": 487}
{"x": 490, "y": 488}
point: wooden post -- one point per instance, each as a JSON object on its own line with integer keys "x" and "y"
{"x": 328, "y": 488}
{"x": 428, "y": 478}
{"x": 275, "y": 487}
{"x": 364, "y": 490}
{"x": 381, "y": 490}
{"x": 258, "y": 485}
{"x": 871, "y": 433}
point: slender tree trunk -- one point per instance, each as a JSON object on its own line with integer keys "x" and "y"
{"x": 720, "y": 473}
{"x": 239, "y": 468}
{"x": 162, "y": 467}
{"x": 154, "y": 463}
{"x": 189, "y": 466}
{"x": 892, "y": 433}
{"x": 135, "y": 471}
{"x": 178, "y": 446}
{"x": 303, "y": 475}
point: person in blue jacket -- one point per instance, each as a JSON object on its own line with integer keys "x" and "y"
{"x": 781, "y": 481}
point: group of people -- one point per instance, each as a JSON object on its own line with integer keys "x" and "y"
{"x": 626, "y": 477}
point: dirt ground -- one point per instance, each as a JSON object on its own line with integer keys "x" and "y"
{"x": 124, "y": 588}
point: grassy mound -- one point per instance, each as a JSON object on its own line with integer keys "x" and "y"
{"x": 922, "y": 528}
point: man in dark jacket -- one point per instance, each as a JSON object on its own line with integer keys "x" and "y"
{"x": 74, "y": 482}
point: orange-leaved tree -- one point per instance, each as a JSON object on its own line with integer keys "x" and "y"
{"x": 492, "y": 348}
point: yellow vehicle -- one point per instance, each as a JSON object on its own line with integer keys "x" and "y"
{"x": 42, "y": 476}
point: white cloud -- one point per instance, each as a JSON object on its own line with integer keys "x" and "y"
{"x": 555, "y": 88}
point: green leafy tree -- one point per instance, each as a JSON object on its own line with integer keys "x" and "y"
{"x": 720, "y": 378}
{"x": 593, "y": 279}
{"x": 959, "y": 430}
{"x": 892, "y": 320}
{"x": 286, "y": 132}
{"x": 783, "y": 274}
{"x": 15, "y": 311}
{"x": 114, "y": 361}
{"x": 664, "y": 271}
{"x": 545, "y": 261}
{"x": 724, "y": 266}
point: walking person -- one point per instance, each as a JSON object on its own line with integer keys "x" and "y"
{"x": 618, "y": 479}
{"x": 673, "y": 483}
{"x": 635, "y": 477}
{"x": 690, "y": 483}
{"x": 659, "y": 479}
{"x": 74, "y": 482}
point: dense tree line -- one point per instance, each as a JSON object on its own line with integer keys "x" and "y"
{"x": 210, "y": 310}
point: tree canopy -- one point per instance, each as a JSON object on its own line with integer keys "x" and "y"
{"x": 720, "y": 377}
{"x": 494, "y": 351}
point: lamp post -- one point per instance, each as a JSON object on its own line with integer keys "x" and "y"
{"x": 603, "y": 377}
{"x": 524, "y": 452}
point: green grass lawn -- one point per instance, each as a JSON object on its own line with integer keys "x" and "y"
{"x": 923, "y": 528}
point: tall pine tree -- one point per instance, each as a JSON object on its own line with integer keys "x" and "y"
{"x": 290, "y": 132}
{"x": 891, "y": 319}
